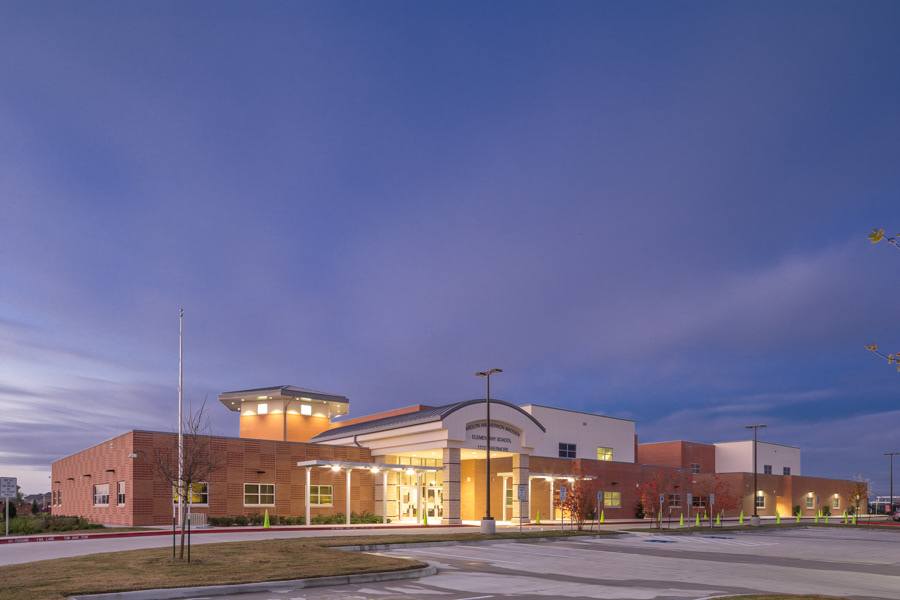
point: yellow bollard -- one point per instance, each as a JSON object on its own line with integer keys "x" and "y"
{"x": 854, "y": 518}
{"x": 741, "y": 518}
{"x": 798, "y": 518}
{"x": 266, "y": 520}
{"x": 777, "y": 518}
{"x": 602, "y": 518}
{"x": 538, "y": 521}
{"x": 718, "y": 519}
{"x": 816, "y": 519}
{"x": 681, "y": 521}
{"x": 697, "y": 523}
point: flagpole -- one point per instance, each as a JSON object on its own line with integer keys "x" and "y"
{"x": 180, "y": 420}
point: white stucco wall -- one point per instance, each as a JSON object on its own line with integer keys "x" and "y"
{"x": 587, "y": 431}
{"x": 737, "y": 457}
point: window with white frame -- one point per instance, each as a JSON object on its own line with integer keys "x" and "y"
{"x": 566, "y": 450}
{"x": 695, "y": 468}
{"x": 612, "y": 499}
{"x": 321, "y": 495}
{"x": 699, "y": 501}
{"x": 810, "y": 502}
{"x": 674, "y": 500}
{"x": 101, "y": 494}
{"x": 305, "y": 409}
{"x": 59, "y": 497}
{"x": 120, "y": 493}
{"x": 259, "y": 494}
{"x": 509, "y": 496}
{"x": 835, "y": 501}
{"x": 760, "y": 501}
{"x": 604, "y": 453}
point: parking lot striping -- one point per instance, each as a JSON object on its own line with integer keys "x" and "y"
{"x": 476, "y": 598}
{"x": 436, "y": 552}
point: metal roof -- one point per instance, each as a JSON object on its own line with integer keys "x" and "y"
{"x": 283, "y": 391}
{"x": 427, "y": 415}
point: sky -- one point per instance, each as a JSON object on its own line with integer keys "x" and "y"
{"x": 649, "y": 210}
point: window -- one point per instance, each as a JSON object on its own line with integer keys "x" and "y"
{"x": 120, "y": 493}
{"x": 700, "y": 501}
{"x": 760, "y": 501}
{"x": 810, "y": 502}
{"x": 199, "y": 493}
{"x": 305, "y": 409}
{"x": 320, "y": 495}
{"x": 509, "y": 497}
{"x": 566, "y": 450}
{"x": 59, "y": 498}
{"x": 256, "y": 494}
{"x": 787, "y": 470}
{"x": 53, "y": 498}
{"x": 604, "y": 453}
{"x": 767, "y": 469}
{"x": 695, "y": 468}
{"x": 262, "y": 408}
{"x": 612, "y": 499}
{"x": 101, "y": 494}
{"x": 674, "y": 500}
{"x": 836, "y": 501}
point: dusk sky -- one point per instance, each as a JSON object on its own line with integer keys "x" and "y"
{"x": 650, "y": 210}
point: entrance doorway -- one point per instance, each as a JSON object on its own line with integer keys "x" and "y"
{"x": 434, "y": 502}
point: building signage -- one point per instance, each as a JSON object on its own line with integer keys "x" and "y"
{"x": 8, "y": 487}
{"x": 504, "y": 438}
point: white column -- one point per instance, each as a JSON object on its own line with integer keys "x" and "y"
{"x": 349, "y": 470}
{"x": 503, "y": 512}
{"x": 384, "y": 499}
{"x": 306, "y": 494}
{"x": 418, "y": 497}
{"x": 552, "y": 508}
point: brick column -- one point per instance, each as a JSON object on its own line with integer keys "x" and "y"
{"x": 520, "y": 472}
{"x": 452, "y": 487}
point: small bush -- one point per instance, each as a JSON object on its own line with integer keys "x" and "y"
{"x": 826, "y": 511}
{"x": 797, "y": 510}
{"x": 241, "y": 520}
{"x": 256, "y": 519}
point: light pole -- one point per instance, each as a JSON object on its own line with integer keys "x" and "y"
{"x": 755, "y": 484}
{"x": 487, "y": 523}
{"x": 892, "y": 455}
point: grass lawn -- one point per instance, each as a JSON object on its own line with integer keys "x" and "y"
{"x": 216, "y": 564}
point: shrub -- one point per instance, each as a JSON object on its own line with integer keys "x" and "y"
{"x": 797, "y": 510}
{"x": 826, "y": 511}
{"x": 365, "y": 517}
{"x": 241, "y": 520}
{"x": 256, "y": 519}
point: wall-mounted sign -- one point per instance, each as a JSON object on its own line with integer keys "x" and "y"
{"x": 504, "y": 438}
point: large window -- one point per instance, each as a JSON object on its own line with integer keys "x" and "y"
{"x": 612, "y": 499}
{"x": 836, "y": 501}
{"x": 767, "y": 469}
{"x": 120, "y": 493}
{"x": 699, "y": 501}
{"x": 199, "y": 493}
{"x": 604, "y": 453}
{"x": 674, "y": 500}
{"x": 509, "y": 496}
{"x": 695, "y": 468}
{"x": 101, "y": 494}
{"x": 566, "y": 450}
{"x": 321, "y": 495}
{"x": 259, "y": 494}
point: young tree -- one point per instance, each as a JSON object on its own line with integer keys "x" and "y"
{"x": 665, "y": 484}
{"x": 581, "y": 499}
{"x": 857, "y": 491}
{"x": 199, "y": 460}
{"x": 710, "y": 486}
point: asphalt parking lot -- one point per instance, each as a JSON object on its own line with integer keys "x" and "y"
{"x": 851, "y": 563}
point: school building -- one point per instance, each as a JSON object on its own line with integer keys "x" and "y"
{"x": 299, "y": 455}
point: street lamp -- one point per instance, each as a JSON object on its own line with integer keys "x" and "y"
{"x": 892, "y": 455}
{"x": 755, "y": 484}
{"x": 487, "y": 524}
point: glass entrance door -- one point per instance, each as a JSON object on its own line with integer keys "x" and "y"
{"x": 408, "y": 500}
{"x": 434, "y": 502}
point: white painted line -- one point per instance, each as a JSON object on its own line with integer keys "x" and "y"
{"x": 469, "y": 557}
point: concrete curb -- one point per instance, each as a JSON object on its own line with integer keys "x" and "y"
{"x": 269, "y": 586}
{"x": 401, "y": 546}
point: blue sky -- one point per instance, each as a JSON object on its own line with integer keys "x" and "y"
{"x": 650, "y": 210}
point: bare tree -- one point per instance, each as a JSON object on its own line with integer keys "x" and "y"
{"x": 199, "y": 460}
{"x": 857, "y": 491}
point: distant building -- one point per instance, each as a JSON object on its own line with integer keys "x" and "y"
{"x": 296, "y": 456}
